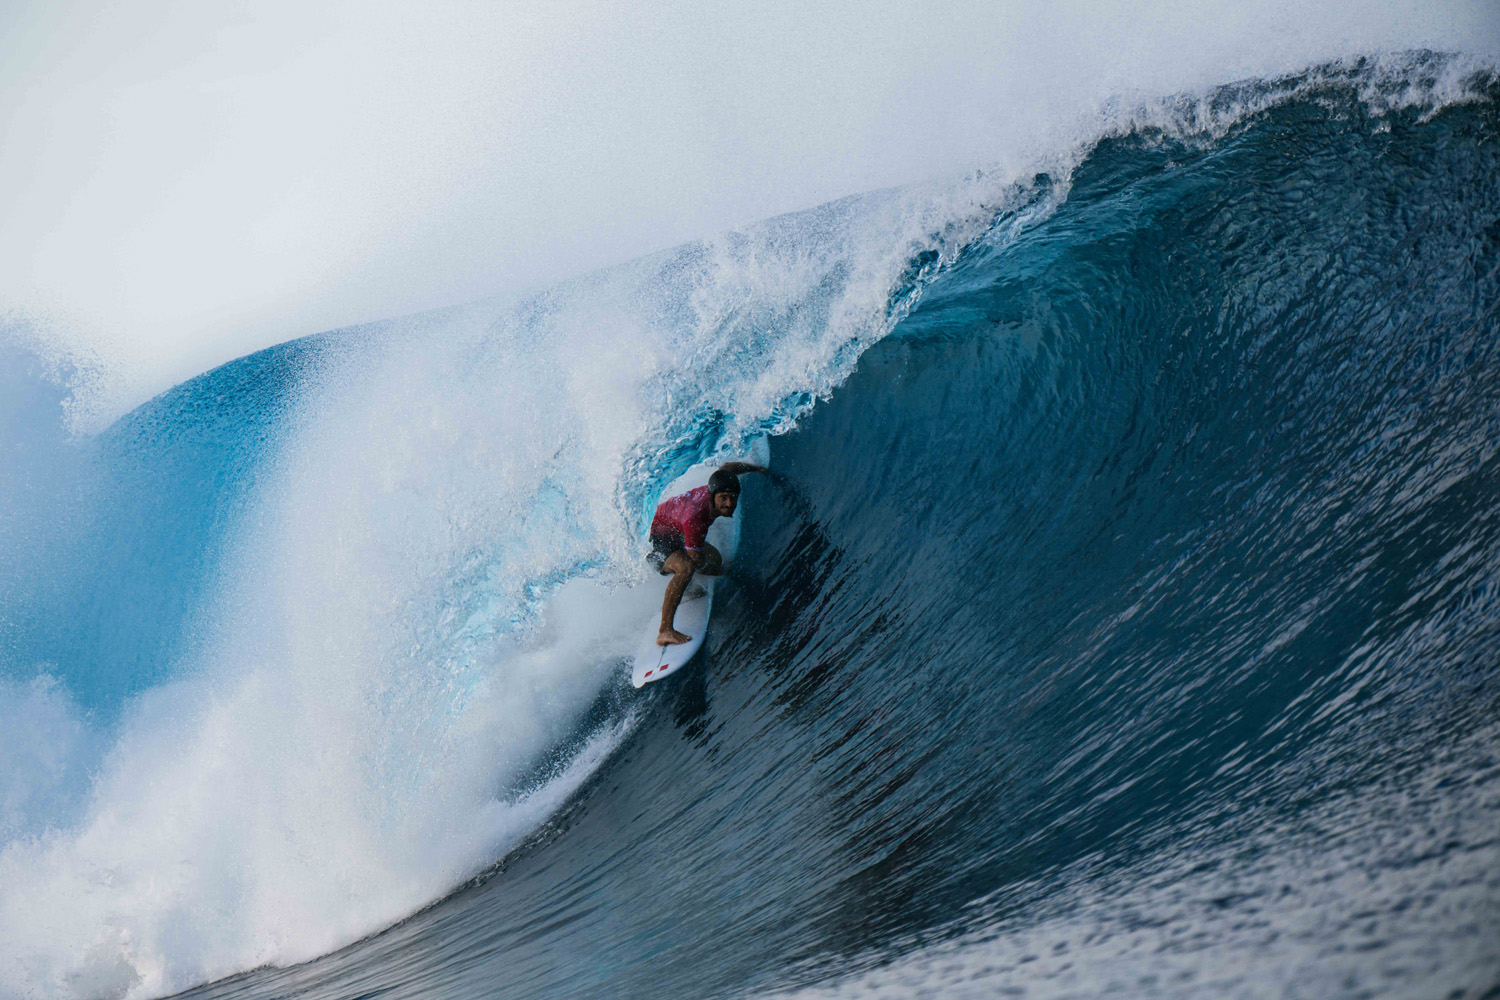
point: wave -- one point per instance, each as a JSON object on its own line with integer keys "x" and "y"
{"x": 1138, "y": 543}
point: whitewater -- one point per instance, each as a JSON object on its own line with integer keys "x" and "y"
{"x": 1127, "y": 623}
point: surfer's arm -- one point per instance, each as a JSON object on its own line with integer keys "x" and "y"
{"x": 740, "y": 468}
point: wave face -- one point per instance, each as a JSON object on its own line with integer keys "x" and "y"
{"x": 1127, "y": 621}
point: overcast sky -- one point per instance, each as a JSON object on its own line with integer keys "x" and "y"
{"x": 181, "y": 183}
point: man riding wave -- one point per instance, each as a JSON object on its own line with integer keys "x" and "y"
{"x": 679, "y": 538}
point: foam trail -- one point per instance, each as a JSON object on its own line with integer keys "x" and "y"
{"x": 45, "y": 750}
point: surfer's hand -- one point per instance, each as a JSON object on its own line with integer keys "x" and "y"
{"x": 670, "y": 637}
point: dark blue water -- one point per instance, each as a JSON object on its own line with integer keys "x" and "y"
{"x": 1128, "y": 622}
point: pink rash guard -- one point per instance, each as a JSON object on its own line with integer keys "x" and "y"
{"x": 685, "y": 518}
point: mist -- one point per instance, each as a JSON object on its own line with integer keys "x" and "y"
{"x": 182, "y": 184}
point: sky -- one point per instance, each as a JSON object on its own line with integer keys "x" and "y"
{"x": 183, "y": 183}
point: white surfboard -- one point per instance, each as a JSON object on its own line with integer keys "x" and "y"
{"x": 653, "y": 662}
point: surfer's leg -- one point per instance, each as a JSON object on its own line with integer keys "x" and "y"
{"x": 662, "y": 547}
{"x": 681, "y": 568}
{"x": 713, "y": 561}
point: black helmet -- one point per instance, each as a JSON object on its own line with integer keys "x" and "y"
{"x": 724, "y": 482}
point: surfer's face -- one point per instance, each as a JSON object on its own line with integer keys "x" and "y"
{"x": 724, "y": 504}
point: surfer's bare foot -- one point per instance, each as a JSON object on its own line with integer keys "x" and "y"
{"x": 671, "y": 637}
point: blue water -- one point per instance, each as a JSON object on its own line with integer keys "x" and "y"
{"x": 1125, "y": 621}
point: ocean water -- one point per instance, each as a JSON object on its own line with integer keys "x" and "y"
{"x": 1124, "y": 619}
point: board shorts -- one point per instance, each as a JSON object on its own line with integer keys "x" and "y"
{"x": 664, "y": 544}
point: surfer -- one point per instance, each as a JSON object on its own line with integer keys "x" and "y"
{"x": 679, "y": 545}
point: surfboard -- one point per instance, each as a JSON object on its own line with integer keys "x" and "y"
{"x": 653, "y": 662}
